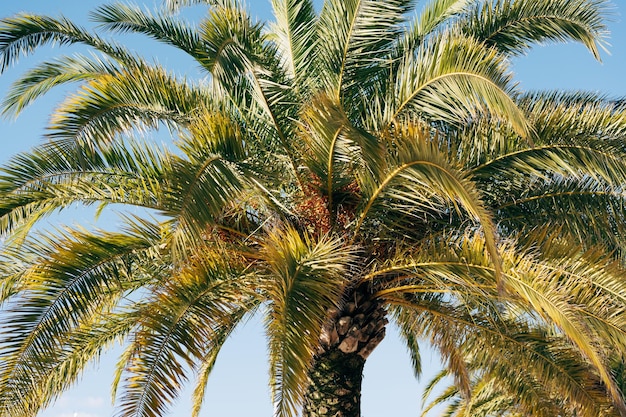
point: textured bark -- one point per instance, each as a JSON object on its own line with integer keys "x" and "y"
{"x": 347, "y": 340}
{"x": 335, "y": 386}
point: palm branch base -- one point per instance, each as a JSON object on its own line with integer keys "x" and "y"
{"x": 347, "y": 340}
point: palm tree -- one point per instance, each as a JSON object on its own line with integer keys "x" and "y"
{"x": 334, "y": 171}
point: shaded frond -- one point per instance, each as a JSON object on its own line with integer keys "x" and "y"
{"x": 336, "y": 150}
{"x": 599, "y": 207}
{"x": 420, "y": 182}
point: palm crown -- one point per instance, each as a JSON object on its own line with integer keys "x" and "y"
{"x": 335, "y": 171}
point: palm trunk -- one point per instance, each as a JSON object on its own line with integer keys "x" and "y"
{"x": 347, "y": 340}
{"x": 335, "y": 386}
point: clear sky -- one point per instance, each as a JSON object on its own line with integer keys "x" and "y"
{"x": 238, "y": 386}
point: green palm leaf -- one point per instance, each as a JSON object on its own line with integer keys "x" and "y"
{"x": 206, "y": 183}
{"x": 434, "y": 14}
{"x": 237, "y": 56}
{"x": 336, "y": 150}
{"x": 599, "y": 219}
{"x": 68, "y": 281}
{"x": 514, "y": 26}
{"x": 125, "y": 18}
{"x": 459, "y": 321}
{"x": 182, "y": 321}
{"x": 294, "y": 29}
{"x": 421, "y": 182}
{"x": 577, "y": 118}
{"x": 453, "y": 79}
{"x": 56, "y": 176}
{"x": 137, "y": 98}
{"x": 356, "y": 32}
{"x": 40, "y": 80}
{"x": 433, "y": 17}
{"x": 22, "y": 34}
{"x": 84, "y": 347}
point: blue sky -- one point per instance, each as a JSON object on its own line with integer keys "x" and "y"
{"x": 238, "y": 386}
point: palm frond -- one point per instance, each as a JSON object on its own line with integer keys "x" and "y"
{"x": 446, "y": 396}
{"x": 11, "y": 277}
{"x": 355, "y": 41}
{"x": 413, "y": 348}
{"x": 84, "y": 347}
{"x": 204, "y": 184}
{"x": 176, "y": 5}
{"x": 293, "y": 31}
{"x": 553, "y": 161}
{"x": 43, "y": 78}
{"x": 137, "y": 98}
{"x": 599, "y": 209}
{"x": 124, "y": 18}
{"x": 454, "y": 79}
{"x": 568, "y": 290}
{"x": 21, "y": 35}
{"x": 56, "y": 176}
{"x": 69, "y": 280}
{"x": 231, "y": 40}
{"x": 513, "y": 26}
{"x": 433, "y": 15}
{"x": 443, "y": 334}
{"x": 560, "y": 180}
{"x": 419, "y": 182}
{"x": 543, "y": 289}
{"x": 522, "y": 375}
{"x": 304, "y": 280}
{"x": 528, "y": 364}
{"x": 336, "y": 150}
{"x": 576, "y": 118}
{"x": 238, "y": 57}
{"x": 183, "y": 320}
